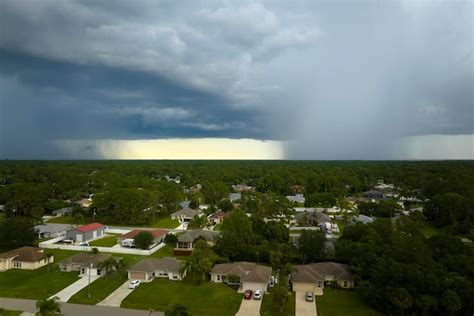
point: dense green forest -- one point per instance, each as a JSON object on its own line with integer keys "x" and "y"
{"x": 398, "y": 268}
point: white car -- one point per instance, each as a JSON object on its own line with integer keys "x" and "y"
{"x": 134, "y": 284}
{"x": 257, "y": 295}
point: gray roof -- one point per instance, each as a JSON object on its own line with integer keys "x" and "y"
{"x": 235, "y": 196}
{"x": 188, "y": 212}
{"x": 191, "y": 235}
{"x": 314, "y": 272}
{"x": 247, "y": 271}
{"x": 52, "y": 228}
{"x": 364, "y": 219}
{"x": 152, "y": 264}
{"x": 299, "y": 198}
{"x": 84, "y": 259}
{"x": 185, "y": 204}
{"x": 64, "y": 210}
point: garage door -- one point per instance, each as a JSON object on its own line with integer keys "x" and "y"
{"x": 303, "y": 287}
{"x": 137, "y": 276}
{"x": 254, "y": 286}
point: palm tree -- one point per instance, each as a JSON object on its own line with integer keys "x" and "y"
{"x": 48, "y": 307}
{"x": 110, "y": 264}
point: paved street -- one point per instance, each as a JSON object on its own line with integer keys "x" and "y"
{"x": 66, "y": 293}
{"x": 249, "y": 308}
{"x": 304, "y": 308}
{"x": 75, "y": 309}
{"x": 116, "y": 298}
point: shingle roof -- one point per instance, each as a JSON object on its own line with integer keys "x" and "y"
{"x": 24, "y": 254}
{"x": 52, "y": 228}
{"x": 217, "y": 214}
{"x": 64, "y": 210}
{"x": 89, "y": 227}
{"x": 188, "y": 212}
{"x": 152, "y": 264}
{"x": 314, "y": 272}
{"x": 156, "y": 233}
{"x": 191, "y": 235}
{"x": 86, "y": 258}
{"x": 247, "y": 271}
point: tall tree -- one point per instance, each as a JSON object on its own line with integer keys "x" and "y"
{"x": 48, "y": 307}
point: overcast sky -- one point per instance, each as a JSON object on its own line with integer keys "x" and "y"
{"x": 236, "y": 79}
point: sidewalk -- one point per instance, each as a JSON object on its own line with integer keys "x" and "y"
{"x": 67, "y": 309}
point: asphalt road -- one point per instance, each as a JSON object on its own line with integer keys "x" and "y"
{"x": 76, "y": 309}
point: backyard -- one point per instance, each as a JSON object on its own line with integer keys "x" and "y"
{"x": 341, "y": 303}
{"x": 206, "y": 299}
{"x": 107, "y": 241}
{"x": 166, "y": 222}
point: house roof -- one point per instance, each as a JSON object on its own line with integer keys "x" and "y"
{"x": 299, "y": 198}
{"x": 152, "y": 264}
{"x": 314, "y": 272}
{"x": 217, "y": 214}
{"x": 156, "y": 233}
{"x": 235, "y": 196}
{"x": 24, "y": 254}
{"x": 84, "y": 259}
{"x": 373, "y": 193}
{"x": 89, "y": 227}
{"x": 191, "y": 235}
{"x": 247, "y": 271}
{"x": 188, "y": 212}
{"x": 52, "y": 228}
{"x": 64, "y": 210}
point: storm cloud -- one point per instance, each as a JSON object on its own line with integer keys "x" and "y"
{"x": 328, "y": 79}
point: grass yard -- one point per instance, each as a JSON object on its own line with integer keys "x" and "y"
{"x": 207, "y": 299}
{"x": 99, "y": 290}
{"x": 34, "y": 284}
{"x": 10, "y": 313}
{"x": 166, "y": 251}
{"x": 266, "y": 309}
{"x": 166, "y": 222}
{"x": 427, "y": 229}
{"x": 341, "y": 303}
{"x": 108, "y": 241}
{"x": 61, "y": 220}
{"x": 2, "y": 216}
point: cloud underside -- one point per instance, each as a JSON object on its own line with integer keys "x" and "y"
{"x": 319, "y": 80}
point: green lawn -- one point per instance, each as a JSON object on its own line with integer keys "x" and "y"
{"x": 99, "y": 290}
{"x": 166, "y": 222}
{"x": 34, "y": 284}
{"x": 2, "y": 216}
{"x": 206, "y": 299}
{"x": 427, "y": 229}
{"x": 108, "y": 241}
{"x": 266, "y": 309}
{"x": 342, "y": 303}
{"x": 166, "y": 251}
{"x": 62, "y": 220}
{"x": 11, "y": 313}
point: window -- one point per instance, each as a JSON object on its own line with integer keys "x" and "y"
{"x": 345, "y": 283}
{"x": 218, "y": 277}
{"x": 16, "y": 264}
{"x": 83, "y": 270}
{"x": 98, "y": 271}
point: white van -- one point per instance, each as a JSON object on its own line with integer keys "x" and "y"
{"x": 127, "y": 243}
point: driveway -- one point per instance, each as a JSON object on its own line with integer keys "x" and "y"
{"x": 116, "y": 298}
{"x": 66, "y": 293}
{"x": 304, "y": 308}
{"x": 249, "y": 308}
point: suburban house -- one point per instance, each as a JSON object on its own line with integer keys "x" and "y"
{"x": 312, "y": 277}
{"x": 185, "y": 244}
{"x": 148, "y": 269}
{"x": 84, "y": 202}
{"x": 235, "y": 196}
{"x": 298, "y": 198}
{"x": 86, "y": 232}
{"x": 186, "y": 214}
{"x": 158, "y": 235}
{"x": 364, "y": 219}
{"x": 251, "y": 276}
{"x": 52, "y": 230}
{"x": 216, "y": 217}
{"x": 63, "y": 211}
{"x": 242, "y": 187}
{"x": 85, "y": 263}
{"x": 353, "y": 200}
{"x": 374, "y": 195}
{"x": 26, "y": 258}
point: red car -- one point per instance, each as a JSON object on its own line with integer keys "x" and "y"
{"x": 248, "y": 294}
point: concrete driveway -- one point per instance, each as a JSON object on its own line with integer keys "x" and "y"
{"x": 304, "y": 308}
{"x": 66, "y": 293}
{"x": 117, "y": 296}
{"x": 249, "y": 307}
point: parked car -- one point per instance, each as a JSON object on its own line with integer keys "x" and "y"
{"x": 309, "y": 296}
{"x": 134, "y": 284}
{"x": 67, "y": 241}
{"x": 248, "y": 294}
{"x": 85, "y": 243}
{"x": 258, "y": 295}
{"x": 130, "y": 243}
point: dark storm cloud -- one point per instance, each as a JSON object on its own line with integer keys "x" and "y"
{"x": 335, "y": 79}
